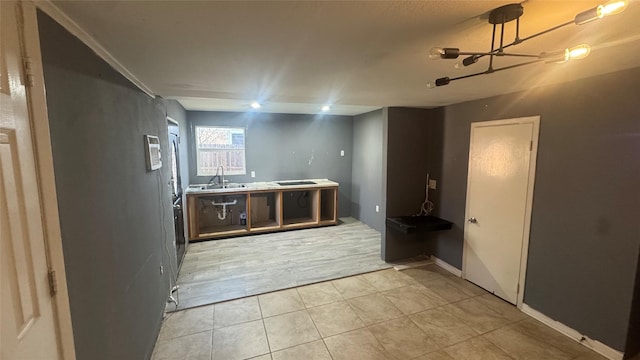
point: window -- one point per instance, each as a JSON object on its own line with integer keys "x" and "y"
{"x": 220, "y": 146}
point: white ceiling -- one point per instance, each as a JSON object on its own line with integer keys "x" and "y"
{"x": 295, "y": 56}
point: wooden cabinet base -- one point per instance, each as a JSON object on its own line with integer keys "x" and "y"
{"x": 217, "y": 215}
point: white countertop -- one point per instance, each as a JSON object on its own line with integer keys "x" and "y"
{"x": 258, "y": 186}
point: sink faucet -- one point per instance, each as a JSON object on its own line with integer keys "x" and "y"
{"x": 222, "y": 172}
{"x": 220, "y": 178}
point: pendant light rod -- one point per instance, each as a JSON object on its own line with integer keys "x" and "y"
{"x": 498, "y": 69}
{"x": 446, "y": 80}
{"x": 453, "y": 53}
{"x": 493, "y": 41}
{"x": 501, "y": 38}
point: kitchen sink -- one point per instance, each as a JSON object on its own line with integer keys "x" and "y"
{"x": 216, "y": 186}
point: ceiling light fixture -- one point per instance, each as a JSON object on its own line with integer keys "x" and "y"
{"x": 326, "y": 108}
{"x": 256, "y": 105}
{"x": 507, "y": 13}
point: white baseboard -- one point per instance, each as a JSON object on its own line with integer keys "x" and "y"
{"x": 413, "y": 264}
{"x": 450, "y": 268}
{"x": 594, "y": 345}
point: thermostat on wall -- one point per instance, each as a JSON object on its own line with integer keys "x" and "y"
{"x": 152, "y": 152}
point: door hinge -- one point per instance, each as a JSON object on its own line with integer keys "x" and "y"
{"x": 531, "y": 146}
{"x": 518, "y": 289}
{"x": 27, "y": 67}
{"x": 53, "y": 282}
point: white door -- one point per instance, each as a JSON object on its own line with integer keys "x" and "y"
{"x": 27, "y": 312}
{"x": 498, "y": 210}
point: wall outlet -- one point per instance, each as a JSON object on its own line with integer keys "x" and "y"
{"x": 432, "y": 184}
{"x": 341, "y": 152}
{"x": 253, "y": 174}
{"x": 377, "y": 208}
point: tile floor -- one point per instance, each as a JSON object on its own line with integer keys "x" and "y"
{"x": 421, "y": 313}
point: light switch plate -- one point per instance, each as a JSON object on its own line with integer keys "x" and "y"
{"x": 253, "y": 174}
{"x": 341, "y": 152}
{"x": 432, "y": 184}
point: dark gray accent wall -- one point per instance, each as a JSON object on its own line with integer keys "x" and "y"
{"x": 287, "y": 147}
{"x": 452, "y": 188}
{"x": 413, "y": 150}
{"x": 633, "y": 334}
{"x": 369, "y": 168}
{"x": 179, "y": 114}
{"x": 115, "y": 216}
{"x": 584, "y": 240}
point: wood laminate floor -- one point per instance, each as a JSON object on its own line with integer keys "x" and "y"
{"x": 221, "y": 270}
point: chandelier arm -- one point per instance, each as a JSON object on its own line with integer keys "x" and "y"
{"x": 518, "y": 65}
{"x": 518, "y": 41}
{"x": 520, "y": 55}
{"x": 470, "y": 75}
{"x": 489, "y": 71}
{"x": 480, "y": 54}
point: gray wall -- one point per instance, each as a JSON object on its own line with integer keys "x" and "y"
{"x": 287, "y": 147}
{"x": 413, "y": 150}
{"x": 115, "y": 216}
{"x": 178, "y": 113}
{"x": 369, "y": 168}
{"x": 633, "y": 336}
{"x": 584, "y": 241}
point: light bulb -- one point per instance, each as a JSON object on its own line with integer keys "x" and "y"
{"x": 612, "y": 7}
{"x": 577, "y": 52}
{"x": 436, "y": 53}
{"x": 326, "y": 108}
{"x": 458, "y": 66}
{"x": 256, "y": 105}
{"x": 431, "y": 85}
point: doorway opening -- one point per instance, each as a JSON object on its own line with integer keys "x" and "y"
{"x": 176, "y": 189}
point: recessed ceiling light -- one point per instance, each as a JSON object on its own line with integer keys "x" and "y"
{"x": 326, "y": 108}
{"x": 256, "y": 105}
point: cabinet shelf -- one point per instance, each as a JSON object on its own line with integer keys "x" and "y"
{"x": 299, "y": 222}
{"x": 223, "y": 230}
{"x": 264, "y": 224}
{"x": 328, "y": 208}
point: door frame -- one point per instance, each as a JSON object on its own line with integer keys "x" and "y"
{"x": 37, "y": 103}
{"x": 524, "y": 252}
{"x": 177, "y": 124}
{"x": 183, "y": 202}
